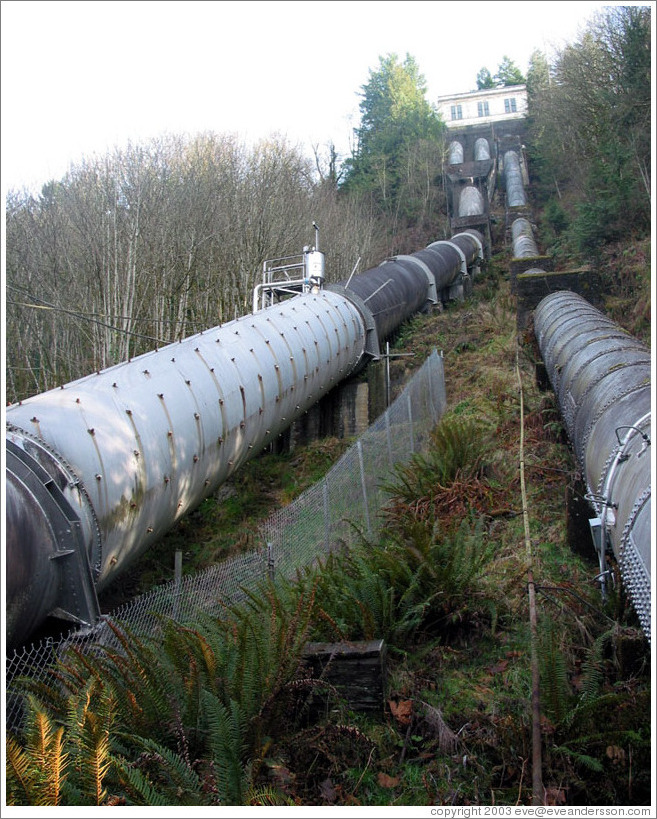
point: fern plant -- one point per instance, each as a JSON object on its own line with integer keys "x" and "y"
{"x": 66, "y": 764}
{"x": 458, "y": 448}
{"x": 37, "y": 769}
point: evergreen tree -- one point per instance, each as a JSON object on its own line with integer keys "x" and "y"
{"x": 484, "y": 79}
{"x": 538, "y": 75}
{"x": 508, "y": 73}
{"x": 396, "y": 122}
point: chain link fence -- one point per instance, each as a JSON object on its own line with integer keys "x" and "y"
{"x": 336, "y": 512}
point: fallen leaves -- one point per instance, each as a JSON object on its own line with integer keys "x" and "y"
{"x": 402, "y": 711}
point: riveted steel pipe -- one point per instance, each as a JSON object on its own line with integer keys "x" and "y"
{"x": 601, "y": 377}
{"x": 515, "y": 191}
{"x": 100, "y": 469}
{"x": 522, "y": 235}
{"x": 144, "y": 442}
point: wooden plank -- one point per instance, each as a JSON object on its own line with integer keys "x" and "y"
{"x": 355, "y": 669}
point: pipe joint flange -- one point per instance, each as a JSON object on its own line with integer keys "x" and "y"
{"x": 464, "y": 263}
{"x": 476, "y": 240}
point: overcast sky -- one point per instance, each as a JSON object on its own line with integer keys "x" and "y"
{"x": 79, "y": 78}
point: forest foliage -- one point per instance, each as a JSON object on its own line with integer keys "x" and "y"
{"x": 590, "y": 133}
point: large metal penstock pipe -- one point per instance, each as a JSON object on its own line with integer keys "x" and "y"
{"x": 402, "y": 285}
{"x": 117, "y": 457}
{"x": 522, "y": 235}
{"x": 515, "y": 191}
{"x": 602, "y": 379}
{"x": 98, "y": 470}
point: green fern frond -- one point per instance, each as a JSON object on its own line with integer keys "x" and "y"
{"x": 555, "y": 692}
{"x": 20, "y": 774}
{"x": 138, "y": 787}
{"x": 266, "y": 795}
{"x": 585, "y": 760}
{"x": 227, "y": 741}
{"x": 37, "y": 771}
{"x": 89, "y": 726}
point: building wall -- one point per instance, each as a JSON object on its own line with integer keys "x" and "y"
{"x": 485, "y": 106}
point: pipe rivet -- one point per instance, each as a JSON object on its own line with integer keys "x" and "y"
{"x": 114, "y": 385}
{"x": 195, "y": 459}
{"x": 91, "y": 431}
{"x": 34, "y": 419}
{"x": 196, "y": 415}
{"x": 77, "y": 400}
{"x": 187, "y": 381}
{"x": 149, "y": 530}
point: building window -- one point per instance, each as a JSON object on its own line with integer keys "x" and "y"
{"x": 482, "y": 109}
{"x": 457, "y": 112}
{"x": 510, "y": 105}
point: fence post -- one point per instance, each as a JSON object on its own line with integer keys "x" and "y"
{"x": 271, "y": 568}
{"x": 359, "y": 447}
{"x": 177, "y": 575}
{"x": 327, "y": 520}
{"x": 389, "y": 439}
{"x": 432, "y": 404}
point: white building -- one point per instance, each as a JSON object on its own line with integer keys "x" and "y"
{"x": 482, "y": 107}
